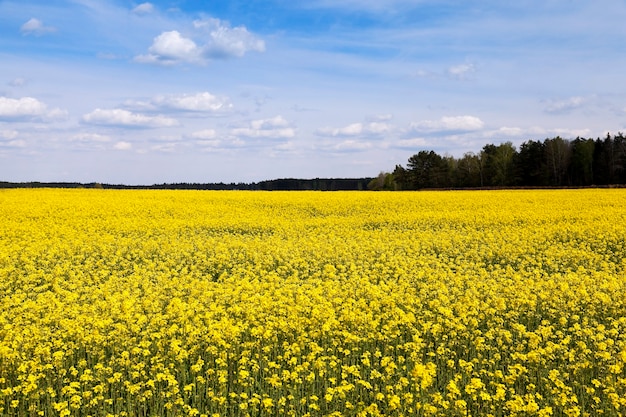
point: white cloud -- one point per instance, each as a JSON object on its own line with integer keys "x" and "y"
{"x": 411, "y": 143}
{"x": 421, "y": 73}
{"x": 229, "y": 142}
{"x": 536, "y": 132}
{"x": 205, "y": 134}
{"x": 225, "y": 41}
{"x": 143, "y": 9}
{"x": 36, "y": 27}
{"x": 170, "y": 48}
{"x": 286, "y": 147}
{"x": 564, "y": 106}
{"x": 274, "y": 122}
{"x": 351, "y": 145}
{"x": 571, "y": 133}
{"x": 200, "y": 102}
{"x": 461, "y": 71}
{"x": 446, "y": 123}
{"x": 209, "y": 143}
{"x": 90, "y": 138}
{"x": 196, "y": 102}
{"x": 215, "y": 39}
{"x": 28, "y": 108}
{"x": 505, "y": 131}
{"x": 353, "y": 129}
{"x": 378, "y": 128}
{"x": 276, "y": 128}
{"x": 510, "y": 131}
{"x": 457, "y": 72}
{"x": 346, "y": 145}
{"x": 122, "y": 146}
{"x": 352, "y": 136}
{"x": 8, "y": 134}
{"x": 380, "y": 118}
{"x": 18, "y": 143}
{"x": 356, "y": 129}
{"x": 120, "y": 117}
{"x": 165, "y": 147}
{"x": 8, "y": 139}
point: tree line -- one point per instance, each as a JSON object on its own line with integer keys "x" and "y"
{"x": 553, "y": 162}
{"x": 315, "y": 184}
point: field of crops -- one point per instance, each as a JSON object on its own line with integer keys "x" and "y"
{"x": 195, "y": 303}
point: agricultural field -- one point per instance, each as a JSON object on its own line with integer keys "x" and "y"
{"x": 197, "y": 303}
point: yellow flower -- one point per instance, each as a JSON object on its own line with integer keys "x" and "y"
{"x": 267, "y": 403}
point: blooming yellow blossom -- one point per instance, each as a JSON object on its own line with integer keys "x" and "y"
{"x": 490, "y": 303}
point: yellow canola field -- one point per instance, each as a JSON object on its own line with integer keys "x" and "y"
{"x": 196, "y": 303}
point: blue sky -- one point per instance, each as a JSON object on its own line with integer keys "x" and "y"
{"x": 194, "y": 91}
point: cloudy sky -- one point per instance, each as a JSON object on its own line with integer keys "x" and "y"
{"x": 239, "y": 90}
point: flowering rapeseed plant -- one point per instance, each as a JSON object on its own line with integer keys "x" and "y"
{"x": 159, "y": 303}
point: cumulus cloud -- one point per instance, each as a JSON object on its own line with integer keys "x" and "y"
{"x": 122, "y": 146}
{"x": 224, "y": 41}
{"x": 143, "y": 9}
{"x": 120, "y": 117}
{"x": 378, "y": 128}
{"x": 353, "y": 137}
{"x": 199, "y": 102}
{"x": 356, "y": 129}
{"x": 564, "y": 106}
{"x": 88, "y": 141}
{"x": 449, "y": 124}
{"x": 36, "y": 27}
{"x": 275, "y": 128}
{"x": 214, "y": 39}
{"x": 170, "y": 48}
{"x": 28, "y": 109}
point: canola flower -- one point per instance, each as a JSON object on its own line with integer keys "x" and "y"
{"x": 195, "y": 303}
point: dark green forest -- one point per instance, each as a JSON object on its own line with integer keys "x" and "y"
{"x": 554, "y": 162}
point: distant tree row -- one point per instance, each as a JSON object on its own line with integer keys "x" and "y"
{"x": 316, "y": 184}
{"x": 554, "y": 162}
